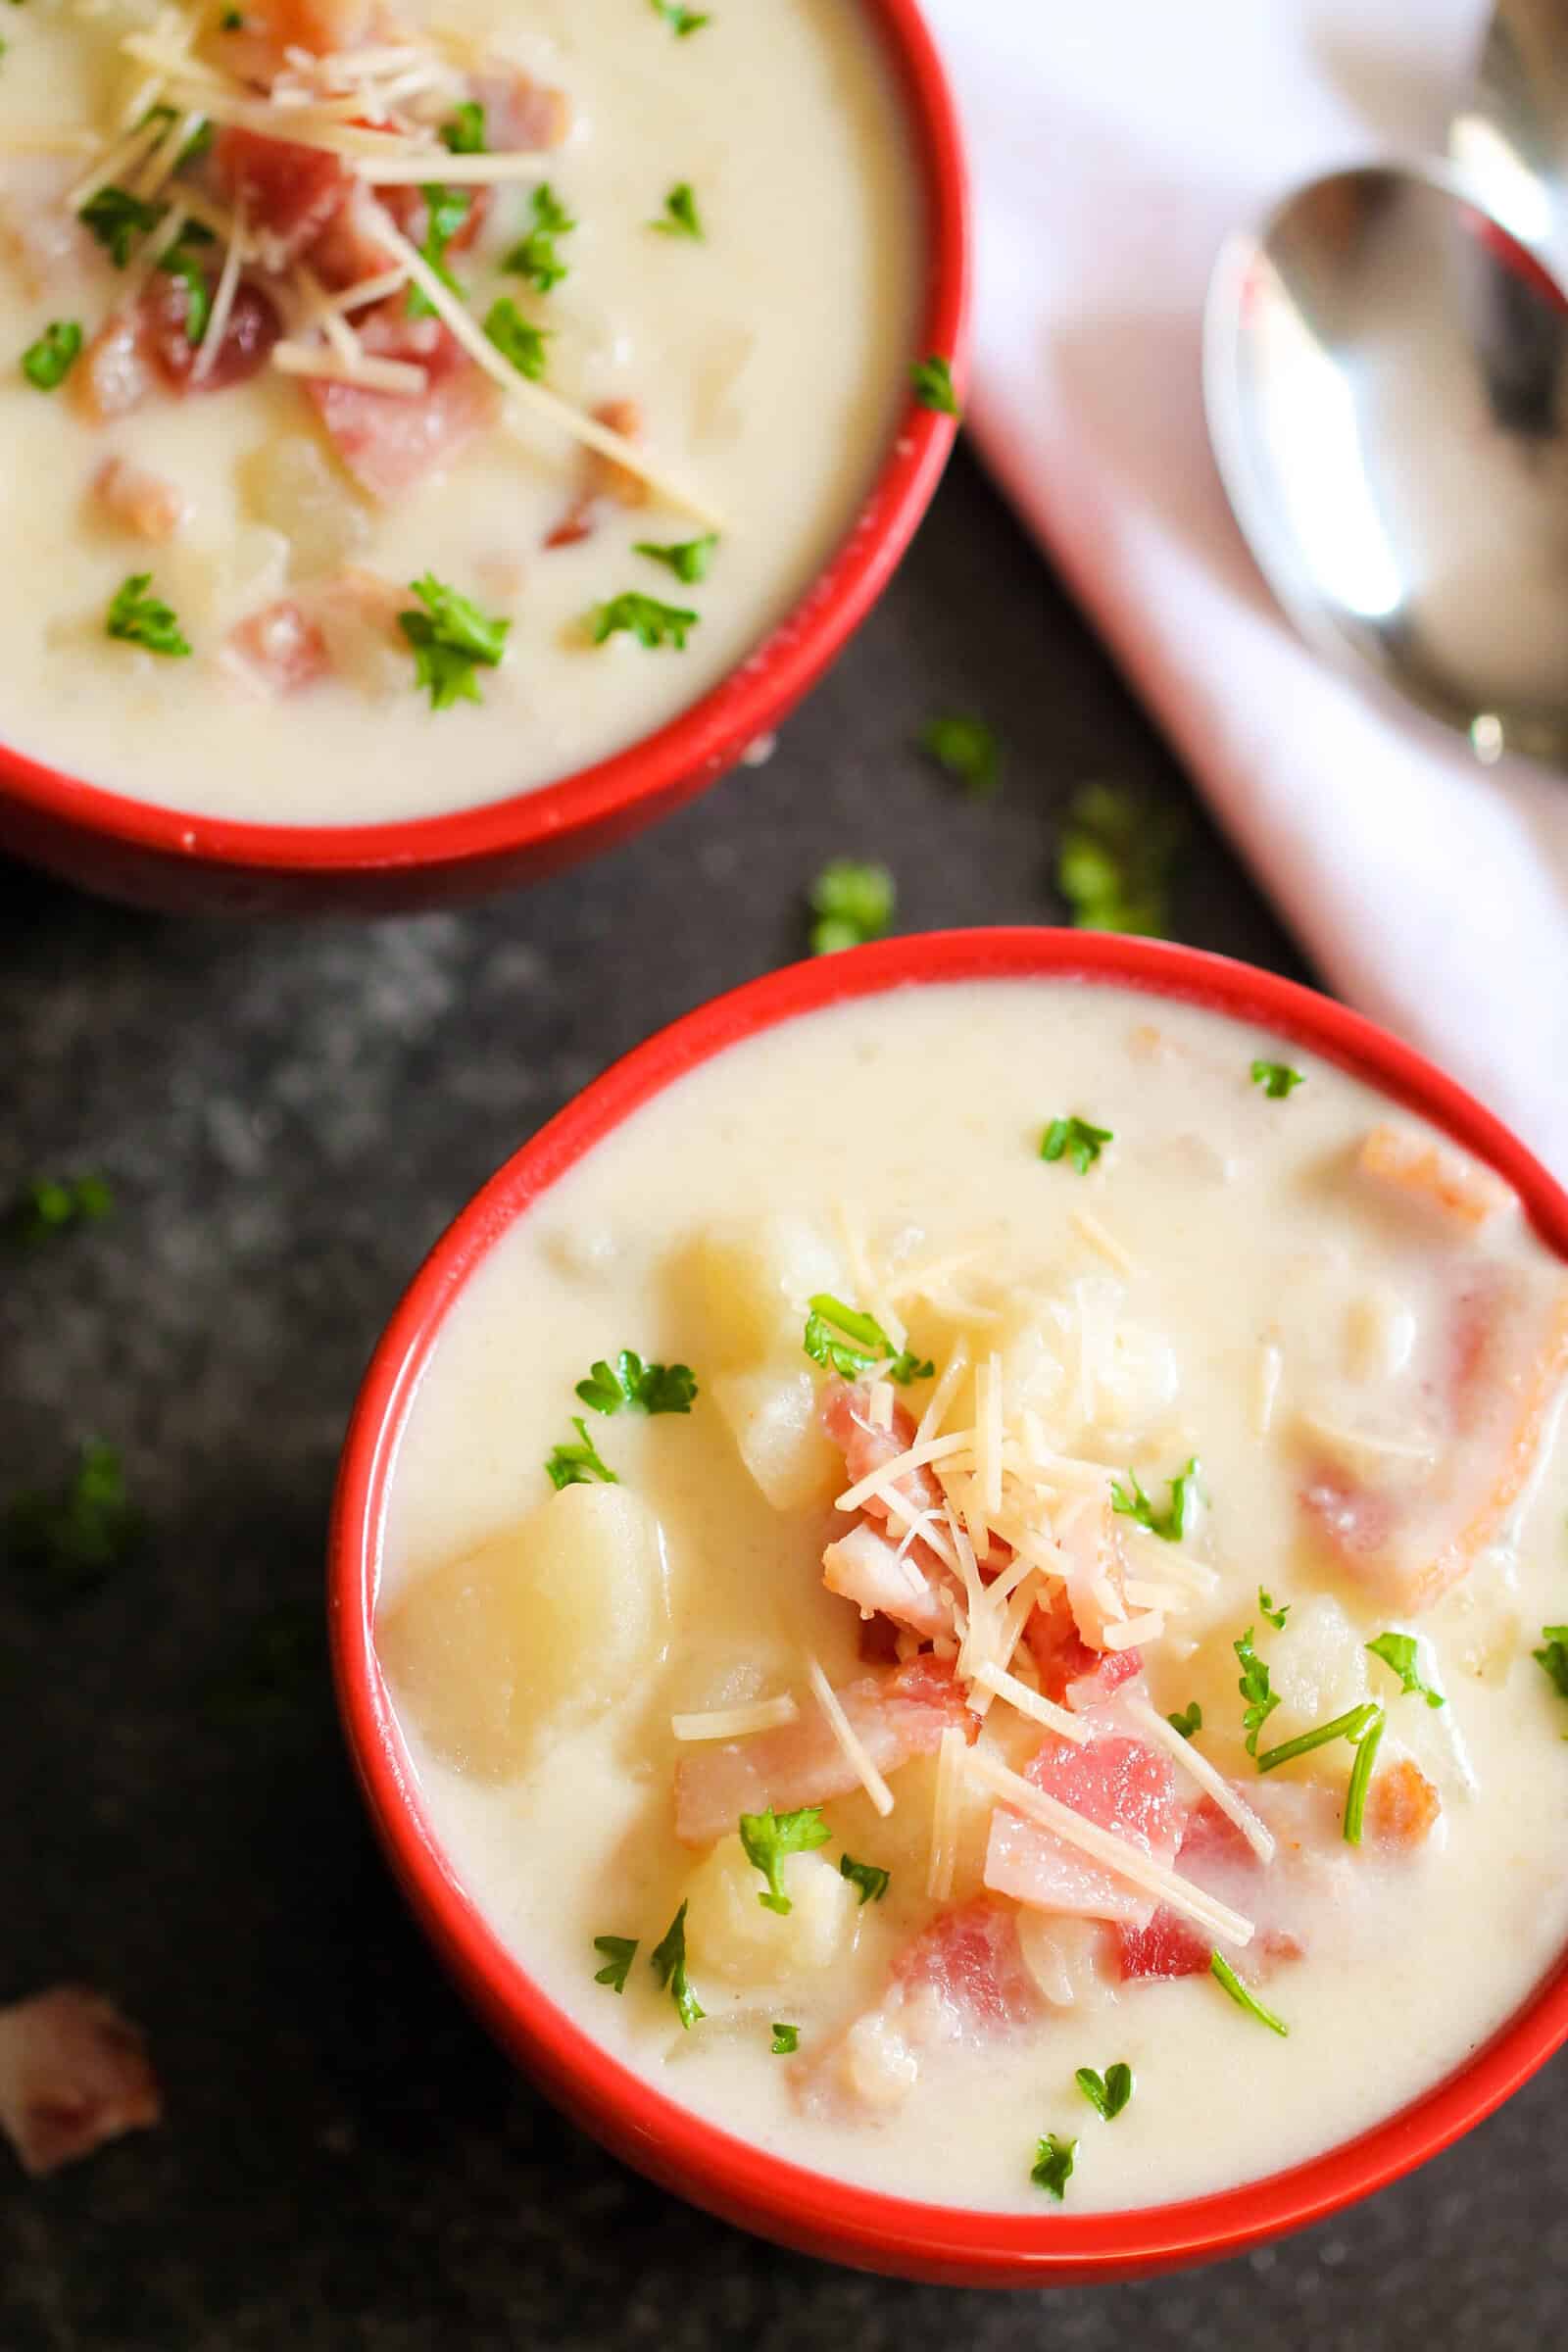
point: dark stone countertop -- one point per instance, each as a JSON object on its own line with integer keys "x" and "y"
{"x": 289, "y": 1114}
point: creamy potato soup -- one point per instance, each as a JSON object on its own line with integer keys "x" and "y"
{"x": 406, "y": 404}
{"x": 1002, "y": 1639}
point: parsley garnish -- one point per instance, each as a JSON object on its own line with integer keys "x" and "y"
{"x": 1554, "y": 1658}
{"x": 1367, "y": 1744}
{"x": 463, "y": 132}
{"x": 1169, "y": 1524}
{"x": 1052, "y": 2169}
{"x": 872, "y": 1883}
{"x": 767, "y": 1838}
{"x": 445, "y": 212}
{"x": 786, "y": 2038}
{"x": 180, "y": 261}
{"x": 536, "y": 257}
{"x": 843, "y": 1340}
{"x": 198, "y": 143}
{"x": 1081, "y": 1143}
{"x": 1275, "y": 1616}
{"x": 450, "y": 638}
{"x": 1109, "y": 2092}
{"x": 516, "y": 339}
{"x": 628, "y": 1381}
{"x": 1221, "y": 1969}
{"x": 578, "y": 1465}
{"x": 681, "y": 20}
{"x": 618, "y": 1952}
{"x": 47, "y": 362}
{"x": 853, "y": 903}
{"x": 1115, "y": 860}
{"x": 1277, "y": 1079}
{"x": 1187, "y": 1720}
{"x": 933, "y": 385}
{"x": 965, "y": 748}
{"x": 53, "y": 1205}
{"x": 652, "y": 624}
{"x": 687, "y": 559}
{"x": 1399, "y": 1651}
{"x": 1261, "y": 1701}
{"x": 138, "y": 618}
{"x": 68, "y": 1543}
{"x": 680, "y": 217}
{"x": 118, "y": 218}
{"x": 668, "y": 1964}
{"x": 1353, "y": 1725}
{"x": 232, "y": 21}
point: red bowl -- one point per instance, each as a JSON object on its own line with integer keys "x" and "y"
{"x": 184, "y": 862}
{"x": 683, "y": 2151}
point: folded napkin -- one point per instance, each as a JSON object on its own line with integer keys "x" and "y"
{"x": 1112, "y": 147}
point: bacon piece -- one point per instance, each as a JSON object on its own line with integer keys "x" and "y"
{"x": 522, "y": 115}
{"x": 1425, "y": 1173}
{"x": 115, "y": 373}
{"x": 865, "y": 1567}
{"x": 1070, "y": 1672}
{"x": 390, "y": 441}
{"x": 250, "y": 330}
{"x": 604, "y": 478}
{"x": 1121, "y": 1785}
{"x": 1166, "y": 1946}
{"x": 138, "y": 500}
{"x": 351, "y": 248}
{"x": 895, "y": 1716}
{"x": 1286, "y": 1899}
{"x": 1402, "y": 1806}
{"x": 279, "y": 650}
{"x": 258, "y": 51}
{"x": 289, "y": 194}
{"x": 74, "y": 2072}
{"x": 866, "y": 1448}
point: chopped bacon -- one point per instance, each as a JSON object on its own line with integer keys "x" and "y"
{"x": 1165, "y": 1945}
{"x": 865, "y": 1566}
{"x": 1402, "y": 1806}
{"x": 352, "y": 249}
{"x": 272, "y": 28}
{"x": 74, "y": 2072}
{"x": 250, "y": 330}
{"x": 390, "y": 441}
{"x": 522, "y": 115}
{"x": 604, "y": 478}
{"x": 1285, "y": 1898}
{"x": 1119, "y": 1783}
{"x": 1094, "y": 1569}
{"x": 866, "y": 1448}
{"x": 138, "y": 500}
{"x": 894, "y": 1716}
{"x": 279, "y": 650}
{"x": 1070, "y": 1672}
{"x": 1430, "y": 1176}
{"x": 289, "y": 194}
{"x": 115, "y": 373}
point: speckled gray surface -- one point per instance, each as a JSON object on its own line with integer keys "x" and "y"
{"x": 289, "y": 1115}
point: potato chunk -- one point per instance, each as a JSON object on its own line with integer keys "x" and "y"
{"x": 729, "y": 1934}
{"x": 547, "y": 1625}
{"x": 1318, "y": 1669}
{"x": 774, "y": 1418}
{"x": 755, "y": 1280}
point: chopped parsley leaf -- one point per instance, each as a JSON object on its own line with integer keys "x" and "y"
{"x": 618, "y": 1952}
{"x": 767, "y": 1838}
{"x": 262, "y": 1681}
{"x": 687, "y": 559}
{"x": 853, "y": 903}
{"x": 1353, "y": 1725}
{"x": 651, "y": 622}
{"x": 516, "y": 338}
{"x": 232, "y": 20}
{"x": 445, "y": 212}
{"x": 117, "y": 219}
{"x": 872, "y": 1883}
{"x": 1398, "y": 1651}
{"x": 1115, "y": 860}
{"x": 1223, "y": 1973}
{"x": 1275, "y": 1616}
{"x": 844, "y": 1340}
{"x": 450, "y": 639}
{"x": 933, "y": 385}
{"x": 65, "y": 1545}
{"x": 680, "y": 217}
{"x": 535, "y": 257}
{"x": 181, "y": 260}
{"x": 786, "y": 2040}
{"x": 578, "y": 1465}
{"x": 53, "y": 1204}
{"x": 138, "y": 618}
{"x": 966, "y": 750}
{"x": 1366, "y": 1749}
{"x": 1187, "y": 1720}
{"x": 681, "y": 20}
{"x": 1170, "y": 1524}
{"x": 464, "y": 133}
{"x": 1277, "y": 1079}
{"x": 1261, "y": 1701}
{"x": 628, "y": 1381}
{"x": 1052, "y": 2169}
{"x": 668, "y": 1964}
{"x": 1077, "y": 1140}
{"x": 1552, "y": 1659}
{"x": 1109, "y": 2092}
{"x": 47, "y": 362}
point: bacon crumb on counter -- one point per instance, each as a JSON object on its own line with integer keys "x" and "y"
{"x": 74, "y": 2072}
{"x": 137, "y": 500}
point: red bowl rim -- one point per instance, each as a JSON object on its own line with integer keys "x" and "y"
{"x": 701, "y": 741}
{"x": 782, "y": 2199}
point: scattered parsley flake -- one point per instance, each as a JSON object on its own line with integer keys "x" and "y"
{"x": 871, "y": 1882}
{"x": 118, "y": 218}
{"x": 680, "y": 218}
{"x": 1187, "y": 1720}
{"x": 1366, "y": 1748}
{"x": 651, "y": 622}
{"x": 1399, "y": 1652}
{"x": 853, "y": 903}
{"x": 56, "y": 1204}
{"x": 464, "y": 133}
{"x": 681, "y": 20}
{"x": 65, "y": 1545}
{"x": 47, "y": 362}
{"x": 1552, "y": 1658}
{"x": 1253, "y": 1686}
{"x": 1109, "y": 2092}
{"x": 1077, "y": 1140}
{"x": 618, "y": 1952}
{"x": 844, "y": 1340}
{"x": 578, "y": 1465}
{"x": 1275, "y": 1616}
{"x": 687, "y": 559}
{"x": 668, "y": 1964}
{"x": 450, "y": 639}
{"x": 137, "y": 617}
{"x": 786, "y": 2038}
{"x": 933, "y": 385}
{"x": 232, "y": 20}
{"x": 516, "y": 339}
{"x": 767, "y": 1838}
{"x": 182, "y": 261}
{"x": 1221, "y": 1970}
{"x": 445, "y": 212}
{"x": 1170, "y": 1524}
{"x": 966, "y": 750}
{"x": 1277, "y": 1079}
{"x": 1052, "y": 2169}
{"x": 647, "y": 1388}
{"x": 535, "y": 257}
{"x": 1115, "y": 860}
{"x": 1353, "y": 1725}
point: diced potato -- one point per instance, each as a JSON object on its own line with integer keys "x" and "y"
{"x": 900, "y": 1841}
{"x": 290, "y": 484}
{"x": 547, "y": 1625}
{"x": 708, "y": 1671}
{"x": 1379, "y": 1335}
{"x": 774, "y": 1419}
{"x": 212, "y": 586}
{"x": 1318, "y": 1668}
{"x": 1065, "y": 1957}
{"x": 729, "y": 1934}
{"x": 755, "y": 1280}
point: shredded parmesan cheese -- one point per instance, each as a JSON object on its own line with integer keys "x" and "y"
{"x": 736, "y": 1723}
{"x": 950, "y": 1751}
{"x": 1110, "y": 1249}
{"x": 331, "y": 366}
{"x": 1211, "y": 1781}
{"x": 222, "y": 304}
{"x": 1270, "y": 1365}
{"x": 843, "y": 1731}
{"x": 437, "y": 163}
{"x": 1029, "y": 1702}
{"x": 882, "y": 1480}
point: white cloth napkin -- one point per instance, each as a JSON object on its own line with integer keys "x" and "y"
{"x": 1112, "y": 146}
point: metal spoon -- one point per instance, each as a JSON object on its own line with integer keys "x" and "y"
{"x": 1510, "y": 140}
{"x": 1384, "y": 371}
